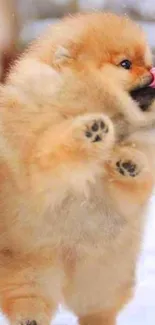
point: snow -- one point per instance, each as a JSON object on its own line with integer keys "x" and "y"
{"x": 141, "y": 310}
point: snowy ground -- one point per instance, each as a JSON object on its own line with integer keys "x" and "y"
{"x": 141, "y": 311}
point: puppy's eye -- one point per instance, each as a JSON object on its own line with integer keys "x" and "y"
{"x": 126, "y": 64}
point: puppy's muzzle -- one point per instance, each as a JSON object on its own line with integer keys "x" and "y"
{"x": 144, "y": 94}
{"x": 144, "y": 97}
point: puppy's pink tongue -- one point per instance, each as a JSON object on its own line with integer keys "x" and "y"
{"x": 153, "y": 76}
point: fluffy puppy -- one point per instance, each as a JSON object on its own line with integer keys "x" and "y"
{"x": 72, "y": 194}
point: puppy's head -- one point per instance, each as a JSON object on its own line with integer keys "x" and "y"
{"x": 95, "y": 53}
{"x": 114, "y": 45}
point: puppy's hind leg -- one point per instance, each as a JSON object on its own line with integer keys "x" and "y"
{"x": 105, "y": 318}
{"x": 130, "y": 178}
{"x": 28, "y": 311}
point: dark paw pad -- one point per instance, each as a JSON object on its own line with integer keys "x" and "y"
{"x": 96, "y": 131}
{"x": 127, "y": 168}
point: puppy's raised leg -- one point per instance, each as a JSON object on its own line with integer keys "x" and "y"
{"x": 73, "y": 152}
{"x": 129, "y": 178}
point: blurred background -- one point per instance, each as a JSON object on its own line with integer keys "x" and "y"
{"x": 23, "y": 20}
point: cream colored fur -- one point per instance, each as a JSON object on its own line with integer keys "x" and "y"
{"x": 71, "y": 221}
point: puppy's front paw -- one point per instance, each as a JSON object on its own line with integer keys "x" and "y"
{"x": 95, "y": 132}
{"x": 127, "y": 163}
{"x": 127, "y": 168}
{"x": 96, "y": 129}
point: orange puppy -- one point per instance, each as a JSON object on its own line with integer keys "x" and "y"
{"x": 73, "y": 188}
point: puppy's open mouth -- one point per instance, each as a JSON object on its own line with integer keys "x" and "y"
{"x": 144, "y": 97}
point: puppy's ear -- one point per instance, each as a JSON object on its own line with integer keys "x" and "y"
{"x": 68, "y": 52}
{"x": 63, "y": 55}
